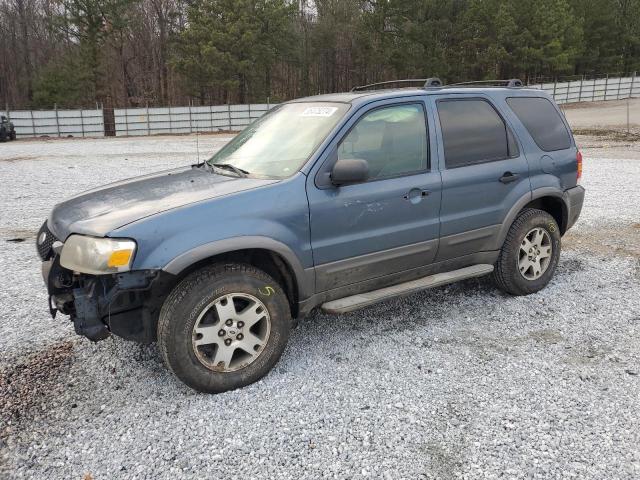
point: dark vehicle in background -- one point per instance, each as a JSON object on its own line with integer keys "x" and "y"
{"x": 334, "y": 201}
{"x": 7, "y": 130}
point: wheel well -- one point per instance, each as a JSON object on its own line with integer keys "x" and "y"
{"x": 555, "y": 207}
{"x": 266, "y": 260}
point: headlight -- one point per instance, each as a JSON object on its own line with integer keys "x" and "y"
{"x": 97, "y": 256}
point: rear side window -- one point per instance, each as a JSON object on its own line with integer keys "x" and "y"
{"x": 543, "y": 122}
{"x": 473, "y": 132}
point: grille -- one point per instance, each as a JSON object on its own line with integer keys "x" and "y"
{"x": 43, "y": 245}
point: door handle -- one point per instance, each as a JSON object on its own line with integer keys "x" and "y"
{"x": 411, "y": 194}
{"x": 508, "y": 177}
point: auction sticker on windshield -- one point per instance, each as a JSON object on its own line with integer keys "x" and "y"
{"x": 318, "y": 111}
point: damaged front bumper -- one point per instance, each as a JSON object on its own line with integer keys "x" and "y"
{"x": 125, "y": 304}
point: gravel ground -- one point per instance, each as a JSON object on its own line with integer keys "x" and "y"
{"x": 455, "y": 382}
{"x": 610, "y": 115}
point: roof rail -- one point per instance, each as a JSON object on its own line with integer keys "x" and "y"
{"x": 511, "y": 83}
{"x": 432, "y": 82}
{"x": 435, "y": 82}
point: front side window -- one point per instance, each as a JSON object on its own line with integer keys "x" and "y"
{"x": 393, "y": 141}
{"x": 543, "y": 122}
{"x": 473, "y": 132}
{"x": 281, "y": 141}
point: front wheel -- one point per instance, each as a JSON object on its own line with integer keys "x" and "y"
{"x": 224, "y": 327}
{"x": 530, "y": 253}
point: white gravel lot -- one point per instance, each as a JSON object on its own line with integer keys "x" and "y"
{"x": 455, "y": 382}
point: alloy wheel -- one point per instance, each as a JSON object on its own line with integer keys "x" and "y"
{"x": 231, "y": 332}
{"x": 535, "y": 253}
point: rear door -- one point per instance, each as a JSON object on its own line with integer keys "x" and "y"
{"x": 483, "y": 173}
{"x": 389, "y": 223}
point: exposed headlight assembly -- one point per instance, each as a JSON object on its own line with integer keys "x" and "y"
{"x": 97, "y": 256}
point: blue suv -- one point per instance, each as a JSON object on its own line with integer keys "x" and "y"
{"x": 334, "y": 201}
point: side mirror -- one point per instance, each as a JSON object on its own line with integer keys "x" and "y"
{"x": 347, "y": 171}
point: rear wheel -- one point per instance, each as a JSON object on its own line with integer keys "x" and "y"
{"x": 530, "y": 253}
{"x": 224, "y": 327}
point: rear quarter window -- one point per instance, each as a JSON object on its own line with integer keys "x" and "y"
{"x": 543, "y": 122}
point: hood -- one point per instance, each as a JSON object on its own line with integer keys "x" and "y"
{"x": 97, "y": 212}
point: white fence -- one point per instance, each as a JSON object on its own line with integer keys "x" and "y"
{"x": 152, "y": 121}
{"x": 135, "y": 121}
{"x": 592, "y": 90}
{"x": 57, "y": 123}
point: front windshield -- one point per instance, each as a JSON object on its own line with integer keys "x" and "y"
{"x": 278, "y": 143}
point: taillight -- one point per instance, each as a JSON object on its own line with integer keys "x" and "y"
{"x": 579, "y": 162}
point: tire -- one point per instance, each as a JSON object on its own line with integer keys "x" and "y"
{"x": 190, "y": 325}
{"x": 523, "y": 267}
{"x": 3, "y": 135}
{"x": 12, "y": 135}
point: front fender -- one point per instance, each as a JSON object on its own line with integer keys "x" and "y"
{"x": 274, "y": 217}
{"x": 304, "y": 278}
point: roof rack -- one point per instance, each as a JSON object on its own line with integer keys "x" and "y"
{"x": 511, "y": 83}
{"x": 432, "y": 82}
{"x": 435, "y": 82}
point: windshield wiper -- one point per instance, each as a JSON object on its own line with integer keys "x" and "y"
{"x": 227, "y": 166}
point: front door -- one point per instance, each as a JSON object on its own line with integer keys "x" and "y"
{"x": 389, "y": 223}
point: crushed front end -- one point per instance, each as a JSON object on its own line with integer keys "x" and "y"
{"x": 125, "y": 303}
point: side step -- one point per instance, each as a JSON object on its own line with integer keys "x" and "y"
{"x": 361, "y": 300}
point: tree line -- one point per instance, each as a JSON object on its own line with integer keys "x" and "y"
{"x": 169, "y": 52}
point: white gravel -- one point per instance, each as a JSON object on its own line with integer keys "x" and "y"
{"x": 456, "y": 382}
